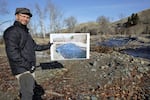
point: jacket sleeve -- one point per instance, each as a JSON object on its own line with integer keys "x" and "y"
{"x": 12, "y": 48}
{"x": 38, "y": 47}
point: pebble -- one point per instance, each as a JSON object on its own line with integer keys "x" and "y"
{"x": 93, "y": 70}
{"x": 93, "y": 98}
{"x": 95, "y": 63}
{"x": 104, "y": 67}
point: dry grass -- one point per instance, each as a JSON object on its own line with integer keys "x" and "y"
{"x": 41, "y": 40}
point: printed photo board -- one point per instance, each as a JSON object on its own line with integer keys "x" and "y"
{"x": 70, "y": 46}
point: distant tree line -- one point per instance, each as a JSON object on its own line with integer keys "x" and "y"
{"x": 101, "y": 26}
{"x": 132, "y": 20}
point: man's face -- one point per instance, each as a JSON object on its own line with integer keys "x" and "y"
{"x": 23, "y": 18}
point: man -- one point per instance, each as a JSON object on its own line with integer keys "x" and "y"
{"x": 20, "y": 49}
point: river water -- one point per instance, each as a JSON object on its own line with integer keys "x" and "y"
{"x": 116, "y": 42}
{"x": 142, "y": 51}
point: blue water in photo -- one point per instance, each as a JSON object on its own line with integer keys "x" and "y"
{"x": 70, "y": 51}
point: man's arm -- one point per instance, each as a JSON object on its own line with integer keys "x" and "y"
{"x": 38, "y": 47}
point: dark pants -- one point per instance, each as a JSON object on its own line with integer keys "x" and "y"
{"x": 29, "y": 89}
{"x": 27, "y": 84}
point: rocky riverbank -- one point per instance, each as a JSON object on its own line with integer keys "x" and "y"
{"x": 104, "y": 76}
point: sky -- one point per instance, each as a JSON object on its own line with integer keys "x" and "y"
{"x": 82, "y": 10}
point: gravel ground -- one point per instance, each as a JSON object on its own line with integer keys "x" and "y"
{"x": 105, "y": 76}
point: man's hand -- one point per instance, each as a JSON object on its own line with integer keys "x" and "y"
{"x": 50, "y": 44}
{"x": 32, "y": 69}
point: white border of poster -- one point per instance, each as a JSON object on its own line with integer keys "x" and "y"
{"x": 79, "y": 41}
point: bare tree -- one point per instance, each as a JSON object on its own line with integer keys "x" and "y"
{"x": 55, "y": 17}
{"x": 41, "y": 16}
{"x": 147, "y": 23}
{"x": 32, "y": 28}
{"x": 70, "y": 22}
{"x": 3, "y": 7}
{"x": 5, "y": 22}
{"x": 3, "y": 10}
{"x": 2, "y": 23}
{"x": 103, "y": 24}
{"x": 120, "y": 28}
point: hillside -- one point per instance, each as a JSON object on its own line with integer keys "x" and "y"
{"x": 143, "y": 26}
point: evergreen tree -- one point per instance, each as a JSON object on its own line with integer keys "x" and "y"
{"x": 135, "y": 19}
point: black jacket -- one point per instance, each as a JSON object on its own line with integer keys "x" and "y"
{"x": 20, "y": 48}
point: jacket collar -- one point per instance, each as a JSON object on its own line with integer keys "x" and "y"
{"x": 17, "y": 23}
